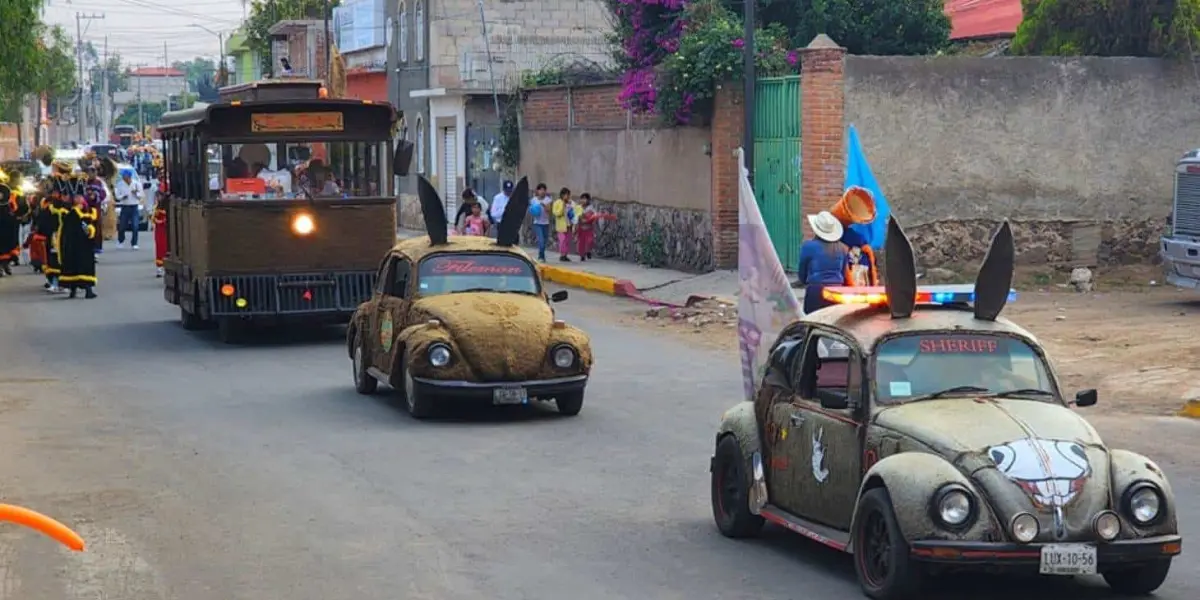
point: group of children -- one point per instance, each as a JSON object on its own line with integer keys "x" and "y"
{"x": 572, "y": 221}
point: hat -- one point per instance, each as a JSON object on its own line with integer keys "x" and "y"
{"x": 508, "y": 186}
{"x": 826, "y": 226}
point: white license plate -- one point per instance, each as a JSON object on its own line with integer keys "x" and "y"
{"x": 1068, "y": 559}
{"x": 510, "y": 396}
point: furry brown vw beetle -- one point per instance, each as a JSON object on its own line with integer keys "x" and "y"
{"x": 467, "y": 318}
{"x": 920, "y": 431}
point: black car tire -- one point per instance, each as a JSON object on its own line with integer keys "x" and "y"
{"x": 364, "y": 382}
{"x": 731, "y": 492}
{"x": 1138, "y": 581}
{"x": 419, "y": 405}
{"x": 881, "y": 554}
{"x": 569, "y": 404}
{"x": 190, "y": 320}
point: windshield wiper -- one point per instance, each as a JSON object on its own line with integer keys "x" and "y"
{"x": 958, "y": 389}
{"x": 492, "y": 290}
{"x": 1023, "y": 392}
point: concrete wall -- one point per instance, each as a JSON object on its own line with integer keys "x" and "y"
{"x": 1083, "y": 142}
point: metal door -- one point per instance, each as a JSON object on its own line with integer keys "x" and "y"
{"x": 450, "y": 170}
{"x": 777, "y": 164}
{"x": 482, "y": 174}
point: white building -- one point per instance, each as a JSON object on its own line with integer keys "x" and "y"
{"x": 152, "y": 85}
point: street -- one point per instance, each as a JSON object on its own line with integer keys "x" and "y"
{"x": 197, "y": 471}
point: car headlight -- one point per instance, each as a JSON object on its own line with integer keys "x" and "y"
{"x": 1023, "y": 527}
{"x": 563, "y": 357}
{"x": 1107, "y": 525}
{"x": 1144, "y": 503}
{"x": 953, "y": 506}
{"x": 439, "y": 355}
{"x": 303, "y": 224}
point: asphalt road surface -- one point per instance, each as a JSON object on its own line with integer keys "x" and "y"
{"x": 200, "y": 471}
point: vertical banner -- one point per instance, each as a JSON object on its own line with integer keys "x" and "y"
{"x": 766, "y": 303}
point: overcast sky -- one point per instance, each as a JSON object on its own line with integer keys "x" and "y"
{"x": 137, "y": 29}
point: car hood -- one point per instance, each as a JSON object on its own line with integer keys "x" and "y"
{"x": 503, "y": 336}
{"x": 1026, "y": 455}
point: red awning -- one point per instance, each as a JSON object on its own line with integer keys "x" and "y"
{"x": 971, "y": 19}
{"x": 367, "y": 86}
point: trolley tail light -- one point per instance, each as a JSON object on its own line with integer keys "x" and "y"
{"x": 303, "y": 224}
{"x": 927, "y": 295}
{"x": 228, "y": 290}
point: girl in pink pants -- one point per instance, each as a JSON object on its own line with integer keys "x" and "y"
{"x": 564, "y": 221}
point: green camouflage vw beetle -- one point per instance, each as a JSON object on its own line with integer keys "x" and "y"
{"x": 916, "y": 430}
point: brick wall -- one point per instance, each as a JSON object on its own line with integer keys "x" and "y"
{"x": 592, "y": 107}
{"x": 727, "y": 128}
{"x": 823, "y": 128}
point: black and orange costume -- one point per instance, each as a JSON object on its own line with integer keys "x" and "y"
{"x": 75, "y": 241}
{"x": 46, "y": 225}
{"x": 10, "y": 226}
{"x": 856, "y": 207}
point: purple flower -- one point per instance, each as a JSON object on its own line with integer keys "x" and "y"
{"x": 739, "y": 43}
{"x": 793, "y": 57}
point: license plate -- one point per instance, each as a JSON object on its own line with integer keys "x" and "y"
{"x": 510, "y": 396}
{"x": 1068, "y": 559}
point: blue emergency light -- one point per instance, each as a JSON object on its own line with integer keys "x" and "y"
{"x": 926, "y": 295}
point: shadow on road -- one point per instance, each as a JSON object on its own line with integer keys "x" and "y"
{"x": 386, "y": 409}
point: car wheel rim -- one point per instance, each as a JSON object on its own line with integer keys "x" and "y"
{"x": 357, "y": 365}
{"x": 877, "y": 549}
{"x": 728, "y": 490}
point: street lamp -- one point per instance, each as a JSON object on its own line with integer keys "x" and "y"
{"x": 220, "y": 44}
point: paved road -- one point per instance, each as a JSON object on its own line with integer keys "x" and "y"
{"x": 201, "y": 471}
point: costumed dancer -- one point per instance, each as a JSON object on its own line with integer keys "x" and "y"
{"x": 857, "y": 207}
{"x": 23, "y": 212}
{"x": 49, "y": 221}
{"x": 97, "y": 198}
{"x": 160, "y": 227}
{"x": 10, "y": 227}
{"x": 75, "y": 242}
{"x": 107, "y": 170}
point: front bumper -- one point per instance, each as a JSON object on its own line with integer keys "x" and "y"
{"x": 336, "y": 294}
{"x": 1007, "y": 554}
{"x": 1181, "y": 262}
{"x": 469, "y": 390}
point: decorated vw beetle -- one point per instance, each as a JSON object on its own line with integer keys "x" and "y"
{"x": 466, "y": 318}
{"x": 917, "y": 430}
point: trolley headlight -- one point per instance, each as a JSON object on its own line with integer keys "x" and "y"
{"x": 303, "y": 224}
{"x": 439, "y": 355}
{"x": 563, "y": 356}
{"x": 1023, "y": 527}
{"x": 953, "y": 506}
{"x": 1144, "y": 503}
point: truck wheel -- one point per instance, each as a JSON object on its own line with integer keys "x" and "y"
{"x": 190, "y": 320}
{"x": 731, "y": 492}
{"x": 419, "y": 405}
{"x": 364, "y": 383}
{"x": 569, "y": 404}
{"x": 881, "y": 555}
{"x": 1138, "y": 581}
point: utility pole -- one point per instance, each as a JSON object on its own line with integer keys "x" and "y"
{"x": 80, "y": 115}
{"x": 328, "y": 44}
{"x": 750, "y": 78}
{"x": 141, "y": 113}
{"x": 105, "y": 107}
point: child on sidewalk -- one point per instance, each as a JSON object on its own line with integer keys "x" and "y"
{"x": 585, "y": 229}
{"x": 564, "y": 221}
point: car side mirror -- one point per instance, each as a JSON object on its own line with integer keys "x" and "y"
{"x": 834, "y": 402}
{"x": 402, "y": 158}
{"x": 1085, "y": 398}
{"x": 558, "y": 296}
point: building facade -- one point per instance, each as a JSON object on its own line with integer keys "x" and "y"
{"x": 155, "y": 84}
{"x": 245, "y": 63}
{"x": 302, "y": 43}
{"x": 361, "y": 36}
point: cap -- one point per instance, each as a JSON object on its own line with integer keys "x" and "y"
{"x": 508, "y": 185}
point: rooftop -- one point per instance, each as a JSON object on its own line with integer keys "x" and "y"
{"x": 156, "y": 72}
{"x": 978, "y": 19}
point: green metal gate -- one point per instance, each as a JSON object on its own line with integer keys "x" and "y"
{"x": 777, "y": 163}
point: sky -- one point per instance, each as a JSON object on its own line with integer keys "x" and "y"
{"x": 138, "y": 29}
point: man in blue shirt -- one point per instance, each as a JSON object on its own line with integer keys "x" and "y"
{"x": 823, "y": 260}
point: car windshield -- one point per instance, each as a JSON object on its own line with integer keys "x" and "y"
{"x": 453, "y": 273}
{"x": 916, "y": 366}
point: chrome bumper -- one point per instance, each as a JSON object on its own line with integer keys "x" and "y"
{"x": 1181, "y": 262}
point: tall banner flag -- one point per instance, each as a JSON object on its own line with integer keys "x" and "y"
{"x": 858, "y": 173}
{"x": 766, "y": 303}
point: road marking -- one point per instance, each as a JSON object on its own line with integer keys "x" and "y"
{"x": 111, "y": 567}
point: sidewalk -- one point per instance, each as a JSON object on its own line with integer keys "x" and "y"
{"x": 619, "y": 278}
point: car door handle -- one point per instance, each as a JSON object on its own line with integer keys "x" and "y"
{"x": 797, "y": 419}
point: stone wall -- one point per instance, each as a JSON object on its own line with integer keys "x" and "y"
{"x": 1058, "y": 145}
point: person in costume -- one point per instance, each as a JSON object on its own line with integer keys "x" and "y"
{"x": 107, "y": 170}
{"x": 10, "y": 226}
{"x": 49, "y": 221}
{"x": 823, "y": 260}
{"x": 74, "y": 242}
{"x": 857, "y": 207}
{"x": 160, "y": 227}
{"x": 97, "y": 198}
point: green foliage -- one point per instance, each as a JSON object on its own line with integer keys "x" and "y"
{"x": 265, "y": 13}
{"x": 152, "y": 112}
{"x": 510, "y": 136}
{"x": 55, "y": 64}
{"x": 118, "y": 78}
{"x": 20, "y": 27}
{"x": 1109, "y": 28}
{"x": 652, "y": 248}
{"x": 874, "y": 27}
{"x": 196, "y": 70}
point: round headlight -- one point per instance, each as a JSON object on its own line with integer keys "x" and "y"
{"x": 1024, "y": 527}
{"x": 1145, "y": 505}
{"x": 303, "y": 225}
{"x": 564, "y": 357}
{"x": 439, "y": 355}
{"x": 954, "y": 507}
{"x": 1107, "y": 525}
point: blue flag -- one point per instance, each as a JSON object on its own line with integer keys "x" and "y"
{"x": 858, "y": 172}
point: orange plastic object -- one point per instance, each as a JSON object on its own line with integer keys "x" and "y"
{"x": 857, "y": 206}
{"x": 245, "y": 185}
{"x": 39, "y": 522}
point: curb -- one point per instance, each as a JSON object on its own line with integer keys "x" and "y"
{"x": 1191, "y": 409}
{"x": 588, "y": 281}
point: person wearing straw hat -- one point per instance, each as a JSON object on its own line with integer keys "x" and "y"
{"x": 823, "y": 260}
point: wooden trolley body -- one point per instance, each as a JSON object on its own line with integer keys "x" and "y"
{"x": 230, "y": 261}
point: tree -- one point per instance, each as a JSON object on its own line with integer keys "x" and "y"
{"x": 1109, "y": 28}
{"x": 20, "y": 26}
{"x": 879, "y": 27}
{"x": 196, "y": 70}
{"x": 54, "y": 70}
{"x": 265, "y": 13}
{"x": 118, "y": 78}
{"x": 152, "y": 113}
